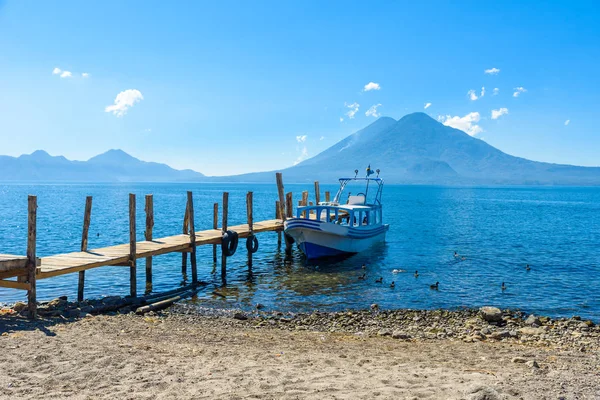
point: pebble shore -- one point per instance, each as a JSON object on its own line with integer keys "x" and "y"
{"x": 467, "y": 325}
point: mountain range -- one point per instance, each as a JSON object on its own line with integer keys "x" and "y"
{"x": 415, "y": 149}
{"x": 112, "y": 166}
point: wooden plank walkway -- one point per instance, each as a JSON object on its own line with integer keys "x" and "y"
{"x": 62, "y": 264}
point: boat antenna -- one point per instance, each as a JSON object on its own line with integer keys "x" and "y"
{"x": 355, "y": 173}
{"x": 378, "y": 171}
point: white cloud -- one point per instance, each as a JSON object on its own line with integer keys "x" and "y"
{"x": 496, "y": 90}
{"x": 322, "y": 137}
{"x": 341, "y": 119}
{"x": 467, "y": 124}
{"x": 518, "y": 91}
{"x": 123, "y": 101}
{"x": 427, "y": 105}
{"x": 56, "y": 71}
{"x": 353, "y": 109}
{"x": 372, "y": 112}
{"x": 472, "y": 95}
{"x": 66, "y": 74}
{"x": 492, "y": 71}
{"x": 441, "y": 118}
{"x": 567, "y": 122}
{"x": 301, "y": 139}
{"x": 303, "y": 156}
{"x": 85, "y": 75}
{"x": 371, "y": 86}
{"x": 482, "y": 92}
{"x": 499, "y": 112}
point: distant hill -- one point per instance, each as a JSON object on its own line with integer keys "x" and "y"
{"x": 419, "y": 149}
{"x": 415, "y": 149}
{"x": 112, "y": 166}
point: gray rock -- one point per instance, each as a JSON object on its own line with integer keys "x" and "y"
{"x": 531, "y": 331}
{"x": 519, "y": 360}
{"x": 491, "y": 314}
{"x": 384, "y": 332}
{"x": 240, "y": 316}
{"x": 19, "y": 306}
{"x": 533, "y": 320}
{"x": 483, "y": 393}
{"x": 532, "y": 364}
{"x": 400, "y": 335}
{"x": 486, "y": 331}
{"x": 500, "y": 335}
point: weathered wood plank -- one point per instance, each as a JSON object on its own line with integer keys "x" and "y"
{"x": 31, "y": 258}
{"x": 149, "y": 209}
{"x": 190, "y": 200}
{"x": 132, "y": 248}
{"x": 15, "y": 285}
{"x": 87, "y": 216}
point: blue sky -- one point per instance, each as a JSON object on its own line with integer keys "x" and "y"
{"x": 248, "y": 86}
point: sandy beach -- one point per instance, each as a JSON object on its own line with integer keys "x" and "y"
{"x": 181, "y": 356}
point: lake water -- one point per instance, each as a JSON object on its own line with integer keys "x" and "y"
{"x": 498, "y": 229}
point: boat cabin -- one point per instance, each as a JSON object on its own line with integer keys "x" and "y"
{"x": 355, "y": 211}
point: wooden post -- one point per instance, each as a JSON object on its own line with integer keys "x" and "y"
{"x": 327, "y": 196}
{"x": 250, "y": 223}
{"x": 278, "y": 216}
{"x": 148, "y": 235}
{"x": 282, "y": 201}
{"x": 185, "y": 232}
{"x": 289, "y": 214}
{"x": 132, "y": 248}
{"x": 224, "y": 229}
{"x": 87, "y": 215}
{"x": 190, "y": 208}
{"x": 317, "y": 193}
{"x": 215, "y": 226}
{"x": 31, "y": 257}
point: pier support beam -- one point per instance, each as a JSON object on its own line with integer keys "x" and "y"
{"x": 132, "y": 248}
{"x": 250, "y": 223}
{"x": 289, "y": 213}
{"x": 224, "y": 229}
{"x": 317, "y": 193}
{"x": 185, "y": 232}
{"x": 190, "y": 208}
{"x": 87, "y": 216}
{"x": 215, "y": 226}
{"x": 278, "y": 216}
{"x": 149, "y": 208}
{"x": 31, "y": 258}
{"x": 327, "y": 197}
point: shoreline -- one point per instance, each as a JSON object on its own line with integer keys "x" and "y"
{"x": 182, "y": 353}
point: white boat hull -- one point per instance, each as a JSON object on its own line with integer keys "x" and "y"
{"x": 318, "y": 239}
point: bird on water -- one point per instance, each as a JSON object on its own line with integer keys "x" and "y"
{"x": 393, "y": 284}
{"x": 527, "y": 268}
{"x": 362, "y": 278}
{"x": 503, "y": 287}
{"x": 379, "y": 280}
{"x": 416, "y": 274}
{"x": 456, "y": 255}
{"x": 435, "y": 287}
{"x": 364, "y": 266}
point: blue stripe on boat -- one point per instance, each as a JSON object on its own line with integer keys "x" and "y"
{"x": 312, "y": 250}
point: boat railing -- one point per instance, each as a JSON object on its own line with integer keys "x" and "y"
{"x": 330, "y": 213}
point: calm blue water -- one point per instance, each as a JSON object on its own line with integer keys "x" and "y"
{"x": 499, "y": 230}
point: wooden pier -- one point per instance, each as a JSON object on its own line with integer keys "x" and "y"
{"x": 28, "y": 269}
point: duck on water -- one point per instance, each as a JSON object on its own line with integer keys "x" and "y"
{"x": 342, "y": 226}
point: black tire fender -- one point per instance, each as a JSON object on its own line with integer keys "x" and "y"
{"x": 229, "y": 243}
{"x": 252, "y": 244}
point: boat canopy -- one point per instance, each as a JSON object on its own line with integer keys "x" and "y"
{"x": 361, "y": 197}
